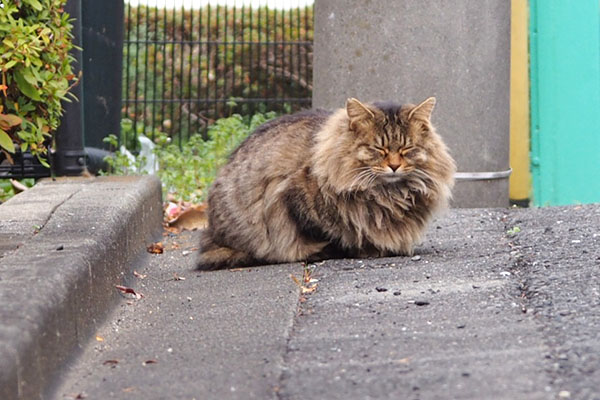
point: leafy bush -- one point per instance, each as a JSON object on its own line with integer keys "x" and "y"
{"x": 35, "y": 73}
{"x": 187, "y": 170}
{"x": 7, "y": 189}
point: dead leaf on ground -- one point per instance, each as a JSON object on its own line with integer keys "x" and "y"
{"x": 305, "y": 287}
{"x": 187, "y": 252}
{"x": 112, "y": 363}
{"x": 190, "y": 219}
{"x": 156, "y": 248}
{"x": 177, "y": 277}
{"x": 129, "y": 290}
{"x": 150, "y": 362}
{"x": 138, "y": 275}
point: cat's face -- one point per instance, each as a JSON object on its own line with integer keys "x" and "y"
{"x": 391, "y": 141}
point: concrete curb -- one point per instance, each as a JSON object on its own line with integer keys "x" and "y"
{"x": 64, "y": 244}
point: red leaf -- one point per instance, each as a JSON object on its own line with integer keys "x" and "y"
{"x": 129, "y": 290}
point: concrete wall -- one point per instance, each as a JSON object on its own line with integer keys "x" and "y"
{"x": 408, "y": 50}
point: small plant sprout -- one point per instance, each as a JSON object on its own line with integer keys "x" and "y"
{"x": 513, "y": 231}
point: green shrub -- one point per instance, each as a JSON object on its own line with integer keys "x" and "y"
{"x": 35, "y": 73}
{"x": 187, "y": 170}
{"x": 7, "y": 190}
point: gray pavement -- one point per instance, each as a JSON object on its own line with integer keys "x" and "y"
{"x": 63, "y": 245}
{"x": 497, "y": 304}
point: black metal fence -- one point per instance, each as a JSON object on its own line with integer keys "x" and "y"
{"x": 186, "y": 67}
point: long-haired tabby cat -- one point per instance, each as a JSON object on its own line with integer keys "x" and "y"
{"x": 360, "y": 182}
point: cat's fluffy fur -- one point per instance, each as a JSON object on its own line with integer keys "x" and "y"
{"x": 362, "y": 181}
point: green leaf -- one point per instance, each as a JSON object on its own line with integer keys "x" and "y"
{"x": 6, "y": 142}
{"x": 29, "y": 76}
{"x": 43, "y": 161}
{"x": 9, "y": 65}
{"x": 25, "y": 87}
{"x": 9, "y": 43}
{"x": 35, "y": 4}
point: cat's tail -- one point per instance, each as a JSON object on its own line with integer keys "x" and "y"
{"x": 213, "y": 256}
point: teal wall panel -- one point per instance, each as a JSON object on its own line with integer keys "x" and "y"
{"x": 565, "y": 101}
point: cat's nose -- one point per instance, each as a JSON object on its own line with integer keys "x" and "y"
{"x": 394, "y": 166}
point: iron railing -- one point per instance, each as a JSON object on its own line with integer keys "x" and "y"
{"x": 186, "y": 67}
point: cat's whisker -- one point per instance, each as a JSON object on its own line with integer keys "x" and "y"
{"x": 354, "y": 170}
{"x": 359, "y": 178}
{"x": 366, "y": 181}
{"x": 368, "y": 178}
{"x": 420, "y": 180}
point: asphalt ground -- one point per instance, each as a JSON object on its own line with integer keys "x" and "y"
{"x": 496, "y": 304}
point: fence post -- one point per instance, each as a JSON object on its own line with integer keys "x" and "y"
{"x": 69, "y": 158}
{"x": 408, "y": 50}
{"x": 102, "y": 37}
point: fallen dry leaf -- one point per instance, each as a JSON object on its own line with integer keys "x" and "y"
{"x": 177, "y": 277}
{"x": 156, "y": 248}
{"x": 129, "y": 290}
{"x": 296, "y": 280}
{"x": 149, "y": 362}
{"x": 110, "y": 362}
{"x": 308, "y": 290}
{"x": 305, "y": 287}
{"x": 190, "y": 219}
{"x": 138, "y": 275}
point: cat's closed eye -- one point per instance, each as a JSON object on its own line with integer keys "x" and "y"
{"x": 414, "y": 154}
{"x": 409, "y": 152}
{"x": 381, "y": 150}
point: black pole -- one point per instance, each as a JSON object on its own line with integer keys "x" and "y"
{"x": 102, "y": 24}
{"x": 69, "y": 158}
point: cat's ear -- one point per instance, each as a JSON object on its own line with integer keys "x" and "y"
{"x": 361, "y": 116}
{"x": 422, "y": 111}
{"x": 357, "y": 110}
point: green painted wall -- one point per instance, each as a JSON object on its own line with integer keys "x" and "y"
{"x": 565, "y": 101}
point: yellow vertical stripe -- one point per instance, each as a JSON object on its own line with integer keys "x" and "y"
{"x": 520, "y": 180}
